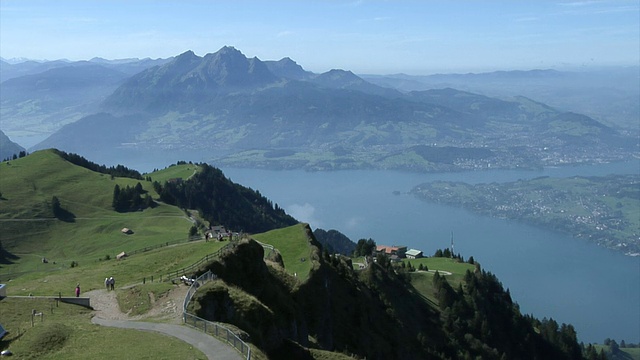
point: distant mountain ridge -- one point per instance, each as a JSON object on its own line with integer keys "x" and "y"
{"x": 608, "y": 95}
{"x": 8, "y": 148}
{"x": 246, "y": 112}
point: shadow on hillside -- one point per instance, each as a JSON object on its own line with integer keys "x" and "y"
{"x": 7, "y": 258}
{"x": 65, "y": 215}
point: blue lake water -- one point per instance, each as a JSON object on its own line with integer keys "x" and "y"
{"x": 549, "y": 274}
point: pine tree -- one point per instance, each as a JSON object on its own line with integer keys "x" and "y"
{"x": 116, "y": 197}
{"x": 55, "y": 206}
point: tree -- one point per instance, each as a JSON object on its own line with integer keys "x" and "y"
{"x": 55, "y": 207}
{"x": 116, "y": 196}
{"x": 193, "y": 231}
{"x": 365, "y": 247}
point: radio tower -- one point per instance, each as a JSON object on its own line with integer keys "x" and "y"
{"x": 452, "y": 251}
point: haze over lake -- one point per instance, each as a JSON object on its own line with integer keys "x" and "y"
{"x": 549, "y": 274}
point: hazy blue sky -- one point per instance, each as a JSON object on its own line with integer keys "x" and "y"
{"x": 414, "y": 37}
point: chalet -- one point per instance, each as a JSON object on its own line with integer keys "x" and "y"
{"x": 218, "y": 229}
{"x": 414, "y": 254}
{"x": 398, "y": 251}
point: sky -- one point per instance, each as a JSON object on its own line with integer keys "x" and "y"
{"x": 366, "y": 37}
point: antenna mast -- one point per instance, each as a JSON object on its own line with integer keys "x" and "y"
{"x": 452, "y": 251}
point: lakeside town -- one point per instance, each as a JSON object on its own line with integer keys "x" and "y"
{"x": 602, "y": 210}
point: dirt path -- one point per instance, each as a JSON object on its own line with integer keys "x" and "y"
{"x": 168, "y": 310}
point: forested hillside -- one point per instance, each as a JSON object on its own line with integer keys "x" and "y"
{"x": 222, "y": 202}
{"x": 375, "y": 313}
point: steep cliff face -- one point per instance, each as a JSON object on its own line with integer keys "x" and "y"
{"x": 374, "y": 313}
{"x": 369, "y": 314}
{"x": 253, "y": 296}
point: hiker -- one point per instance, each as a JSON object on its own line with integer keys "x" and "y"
{"x": 78, "y": 290}
{"x": 112, "y": 282}
{"x": 106, "y": 282}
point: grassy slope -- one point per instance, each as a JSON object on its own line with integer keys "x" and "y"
{"x": 66, "y": 332}
{"x": 27, "y": 185}
{"x": 91, "y": 274}
{"x": 293, "y": 245}
{"x": 183, "y": 171}
{"x": 30, "y": 232}
{"x": 423, "y": 280}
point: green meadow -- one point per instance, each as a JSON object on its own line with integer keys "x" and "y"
{"x": 65, "y": 331}
{"x": 292, "y": 244}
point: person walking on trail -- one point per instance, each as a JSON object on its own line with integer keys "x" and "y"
{"x": 78, "y": 290}
{"x": 112, "y": 283}
{"x": 106, "y": 282}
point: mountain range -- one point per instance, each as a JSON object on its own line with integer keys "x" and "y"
{"x": 7, "y": 147}
{"x": 239, "y": 111}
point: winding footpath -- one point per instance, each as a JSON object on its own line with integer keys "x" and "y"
{"x": 107, "y": 313}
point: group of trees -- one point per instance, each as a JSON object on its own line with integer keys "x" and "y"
{"x": 613, "y": 349}
{"x": 131, "y": 198}
{"x": 364, "y": 247}
{"x": 222, "y": 202}
{"x": 334, "y": 241}
{"x": 483, "y": 316}
{"x": 21, "y": 154}
{"x": 114, "y": 171}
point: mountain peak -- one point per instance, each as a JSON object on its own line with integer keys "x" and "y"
{"x": 288, "y": 68}
{"x": 230, "y": 67}
{"x": 189, "y": 54}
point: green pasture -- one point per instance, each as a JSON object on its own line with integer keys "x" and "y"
{"x": 88, "y": 240}
{"x": 61, "y": 278}
{"x": 442, "y": 264}
{"x": 625, "y": 353}
{"x": 423, "y": 280}
{"x": 66, "y": 332}
{"x": 183, "y": 171}
{"x": 28, "y": 185}
{"x": 30, "y": 232}
{"x": 293, "y": 245}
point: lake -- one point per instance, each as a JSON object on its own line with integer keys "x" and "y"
{"x": 549, "y": 274}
